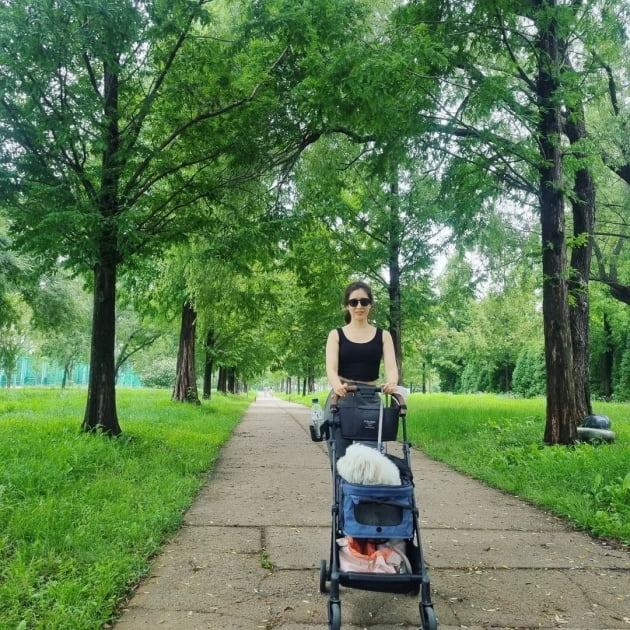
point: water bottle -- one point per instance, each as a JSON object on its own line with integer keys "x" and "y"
{"x": 317, "y": 417}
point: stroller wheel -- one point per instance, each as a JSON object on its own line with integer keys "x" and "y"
{"x": 323, "y": 576}
{"x": 334, "y": 615}
{"x": 427, "y": 616}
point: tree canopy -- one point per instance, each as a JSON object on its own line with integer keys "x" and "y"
{"x": 245, "y": 160}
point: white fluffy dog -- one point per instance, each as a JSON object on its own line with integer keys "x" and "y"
{"x": 365, "y": 465}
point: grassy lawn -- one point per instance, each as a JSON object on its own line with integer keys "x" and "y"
{"x": 82, "y": 515}
{"x": 500, "y": 441}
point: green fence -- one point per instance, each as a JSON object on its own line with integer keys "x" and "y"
{"x": 29, "y": 372}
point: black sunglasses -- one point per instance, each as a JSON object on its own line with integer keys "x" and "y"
{"x": 354, "y": 302}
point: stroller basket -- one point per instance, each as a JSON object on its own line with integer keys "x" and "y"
{"x": 383, "y": 583}
{"x": 361, "y": 423}
{"x": 377, "y": 511}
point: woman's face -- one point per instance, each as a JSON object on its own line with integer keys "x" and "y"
{"x": 359, "y": 304}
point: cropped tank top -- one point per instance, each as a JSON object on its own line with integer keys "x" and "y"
{"x": 360, "y": 361}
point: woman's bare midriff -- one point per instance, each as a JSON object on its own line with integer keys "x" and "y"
{"x": 350, "y": 381}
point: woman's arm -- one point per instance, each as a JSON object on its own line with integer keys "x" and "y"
{"x": 389, "y": 361}
{"x": 332, "y": 363}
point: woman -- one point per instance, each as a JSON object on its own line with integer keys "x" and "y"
{"x": 354, "y": 352}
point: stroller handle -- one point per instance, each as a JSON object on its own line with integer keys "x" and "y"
{"x": 373, "y": 389}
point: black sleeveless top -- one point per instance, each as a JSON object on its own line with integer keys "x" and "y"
{"x": 360, "y": 361}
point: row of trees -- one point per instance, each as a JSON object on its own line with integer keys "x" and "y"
{"x": 219, "y": 159}
{"x": 462, "y": 341}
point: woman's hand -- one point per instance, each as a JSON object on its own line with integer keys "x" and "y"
{"x": 340, "y": 390}
{"x": 389, "y": 388}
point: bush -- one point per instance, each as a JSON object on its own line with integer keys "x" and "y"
{"x": 529, "y": 378}
{"x": 622, "y": 391}
{"x": 160, "y": 374}
{"x": 472, "y": 377}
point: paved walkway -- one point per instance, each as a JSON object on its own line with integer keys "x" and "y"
{"x": 248, "y": 555}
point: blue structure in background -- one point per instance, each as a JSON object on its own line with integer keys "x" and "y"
{"x": 29, "y": 373}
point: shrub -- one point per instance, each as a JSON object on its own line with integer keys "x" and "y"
{"x": 161, "y": 374}
{"x": 529, "y": 378}
{"x": 622, "y": 391}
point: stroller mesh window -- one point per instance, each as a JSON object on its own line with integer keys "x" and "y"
{"x": 378, "y": 514}
{"x": 377, "y": 511}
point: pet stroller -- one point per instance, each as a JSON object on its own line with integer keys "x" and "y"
{"x": 373, "y": 514}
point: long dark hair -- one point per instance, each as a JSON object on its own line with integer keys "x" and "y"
{"x": 349, "y": 290}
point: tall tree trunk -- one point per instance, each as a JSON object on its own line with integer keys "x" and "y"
{"x": 186, "y": 381}
{"x": 395, "y": 300}
{"x": 583, "y": 204}
{"x": 100, "y": 411}
{"x": 561, "y": 423}
{"x": 222, "y": 380}
{"x": 231, "y": 380}
{"x": 208, "y": 365}
{"x": 66, "y": 373}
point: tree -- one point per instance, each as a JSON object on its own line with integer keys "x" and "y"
{"x": 13, "y": 337}
{"x": 186, "y": 380}
{"x": 110, "y": 131}
{"x": 562, "y": 414}
{"x": 134, "y": 335}
{"x": 366, "y": 213}
{"x": 512, "y": 100}
{"x": 610, "y": 125}
{"x": 12, "y": 270}
{"x": 610, "y": 322}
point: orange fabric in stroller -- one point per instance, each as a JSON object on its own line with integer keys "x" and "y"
{"x": 364, "y": 555}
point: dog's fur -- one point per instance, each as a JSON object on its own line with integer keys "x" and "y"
{"x": 365, "y": 465}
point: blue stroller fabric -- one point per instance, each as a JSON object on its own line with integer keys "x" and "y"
{"x": 377, "y": 511}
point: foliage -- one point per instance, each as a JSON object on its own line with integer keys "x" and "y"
{"x": 82, "y": 515}
{"x": 475, "y": 342}
{"x": 301, "y": 147}
{"x": 529, "y": 374}
{"x": 622, "y": 390}
{"x": 62, "y": 321}
{"x": 610, "y": 321}
{"x": 158, "y": 373}
{"x": 168, "y": 134}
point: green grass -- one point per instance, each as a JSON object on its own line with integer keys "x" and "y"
{"x": 499, "y": 440}
{"x": 82, "y": 515}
